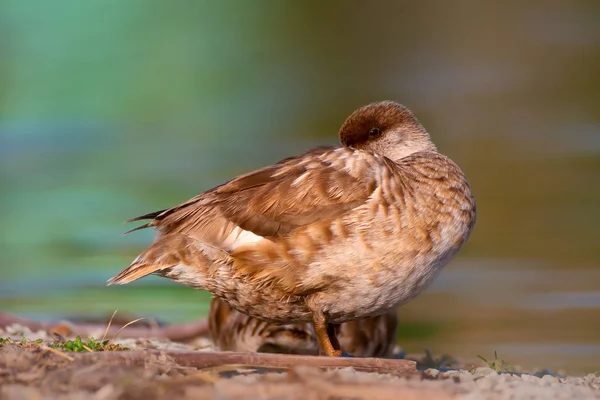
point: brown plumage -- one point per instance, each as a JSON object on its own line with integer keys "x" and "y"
{"x": 231, "y": 330}
{"x": 330, "y": 236}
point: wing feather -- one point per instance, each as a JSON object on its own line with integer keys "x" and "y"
{"x": 260, "y": 206}
{"x": 273, "y": 200}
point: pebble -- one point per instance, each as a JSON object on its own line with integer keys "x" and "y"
{"x": 485, "y": 371}
{"x": 530, "y": 378}
{"x": 550, "y": 379}
{"x": 431, "y": 372}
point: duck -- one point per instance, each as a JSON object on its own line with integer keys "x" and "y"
{"x": 335, "y": 234}
{"x": 230, "y": 330}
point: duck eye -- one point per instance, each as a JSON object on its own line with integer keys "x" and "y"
{"x": 374, "y": 132}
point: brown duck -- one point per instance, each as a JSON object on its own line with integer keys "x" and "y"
{"x": 330, "y": 236}
{"x": 230, "y": 330}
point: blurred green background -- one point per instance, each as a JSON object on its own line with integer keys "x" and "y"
{"x": 110, "y": 109}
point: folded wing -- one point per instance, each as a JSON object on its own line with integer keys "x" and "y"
{"x": 262, "y": 205}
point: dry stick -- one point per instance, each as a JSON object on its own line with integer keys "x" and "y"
{"x": 57, "y": 352}
{"x": 257, "y": 360}
{"x": 87, "y": 348}
{"x": 235, "y": 367}
{"x": 108, "y": 325}
{"x": 124, "y": 326}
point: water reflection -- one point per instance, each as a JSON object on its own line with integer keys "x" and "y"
{"x": 142, "y": 106}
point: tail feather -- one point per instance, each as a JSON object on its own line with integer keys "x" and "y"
{"x": 147, "y": 225}
{"x": 151, "y": 215}
{"x": 167, "y": 252}
{"x": 133, "y": 273}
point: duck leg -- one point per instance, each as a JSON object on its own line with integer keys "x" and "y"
{"x": 332, "y": 333}
{"x": 328, "y": 343}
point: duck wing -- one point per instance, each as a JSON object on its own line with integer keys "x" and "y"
{"x": 265, "y": 204}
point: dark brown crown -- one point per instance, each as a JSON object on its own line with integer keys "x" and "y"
{"x": 382, "y": 116}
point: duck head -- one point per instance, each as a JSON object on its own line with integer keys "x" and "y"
{"x": 385, "y": 128}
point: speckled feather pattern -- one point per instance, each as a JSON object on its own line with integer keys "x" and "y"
{"x": 233, "y": 331}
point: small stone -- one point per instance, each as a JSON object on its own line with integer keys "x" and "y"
{"x": 485, "y": 371}
{"x": 432, "y": 372}
{"x": 530, "y": 378}
{"x": 465, "y": 376}
{"x": 576, "y": 381}
{"x": 550, "y": 379}
{"x": 488, "y": 382}
{"x": 590, "y": 377}
{"x": 504, "y": 378}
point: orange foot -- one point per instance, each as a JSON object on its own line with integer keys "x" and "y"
{"x": 326, "y": 348}
{"x": 330, "y": 352}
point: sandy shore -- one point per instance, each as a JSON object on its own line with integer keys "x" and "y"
{"x": 34, "y": 371}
